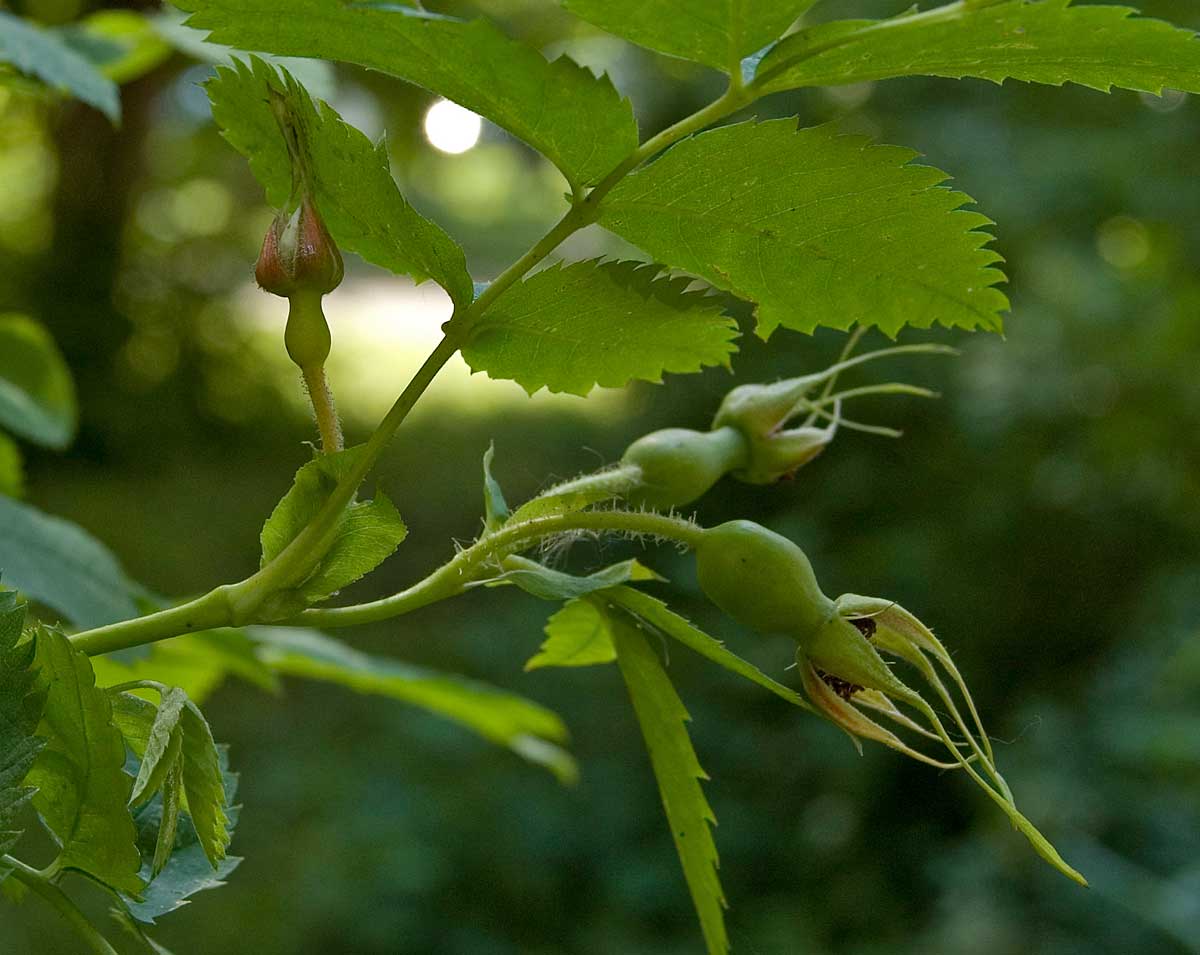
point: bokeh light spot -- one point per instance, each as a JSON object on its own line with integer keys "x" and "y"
{"x": 451, "y": 128}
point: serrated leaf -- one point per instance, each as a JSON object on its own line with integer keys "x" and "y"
{"x": 59, "y": 564}
{"x": 37, "y": 396}
{"x": 163, "y": 746}
{"x": 575, "y": 119}
{"x": 187, "y": 870}
{"x": 42, "y": 54}
{"x": 172, "y": 803}
{"x": 659, "y": 616}
{"x": 815, "y": 228}
{"x": 12, "y": 471}
{"x": 570, "y": 328}
{"x": 527, "y": 728}
{"x": 355, "y": 192}
{"x": 20, "y": 712}
{"x": 548, "y": 584}
{"x": 368, "y": 532}
{"x": 662, "y": 717}
{"x": 495, "y": 507}
{"x": 83, "y": 790}
{"x": 1038, "y": 41}
{"x": 578, "y": 635}
{"x": 203, "y": 785}
{"x": 718, "y": 33}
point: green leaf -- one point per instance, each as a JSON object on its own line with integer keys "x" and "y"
{"x": 162, "y": 748}
{"x": 525, "y": 727}
{"x": 578, "y": 635}
{"x": 12, "y": 471}
{"x": 657, "y": 615}
{"x": 42, "y": 54}
{"x": 20, "y": 712}
{"x": 83, "y": 790}
{"x": 1038, "y": 41}
{"x": 575, "y": 119}
{"x": 815, "y": 228}
{"x": 203, "y": 784}
{"x": 661, "y": 715}
{"x": 569, "y": 328}
{"x": 355, "y": 192}
{"x": 547, "y": 584}
{"x": 187, "y": 870}
{"x": 495, "y": 508}
{"x": 368, "y": 532}
{"x": 121, "y": 44}
{"x": 172, "y": 803}
{"x": 718, "y": 33}
{"x": 37, "y": 397}
{"x": 59, "y": 564}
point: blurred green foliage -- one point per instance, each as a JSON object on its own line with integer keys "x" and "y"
{"x": 1044, "y": 516}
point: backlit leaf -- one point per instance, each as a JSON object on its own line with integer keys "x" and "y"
{"x": 815, "y": 228}
{"x": 1039, "y": 41}
{"x": 716, "y": 32}
{"x": 575, "y": 119}
{"x": 570, "y": 328}
{"x": 20, "y": 712}
{"x": 578, "y": 635}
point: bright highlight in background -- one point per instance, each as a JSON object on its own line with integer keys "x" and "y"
{"x": 451, "y": 128}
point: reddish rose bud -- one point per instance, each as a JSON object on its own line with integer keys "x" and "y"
{"x": 299, "y": 255}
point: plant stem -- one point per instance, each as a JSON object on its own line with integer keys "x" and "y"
{"x": 39, "y": 884}
{"x": 324, "y": 409}
{"x": 462, "y": 571}
{"x": 203, "y": 613}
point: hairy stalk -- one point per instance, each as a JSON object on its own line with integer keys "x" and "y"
{"x": 216, "y": 609}
{"x": 465, "y": 568}
{"x": 324, "y": 409}
{"x": 39, "y": 884}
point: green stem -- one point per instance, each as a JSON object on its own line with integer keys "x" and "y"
{"x": 203, "y": 613}
{"x": 324, "y": 409}
{"x": 453, "y": 578}
{"x": 39, "y": 884}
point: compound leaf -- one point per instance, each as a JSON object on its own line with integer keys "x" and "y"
{"x": 358, "y": 198}
{"x": 574, "y": 118}
{"x": 203, "y": 785}
{"x": 1038, "y": 41}
{"x": 83, "y": 790}
{"x": 527, "y": 728}
{"x": 662, "y": 717}
{"x": 718, "y": 33}
{"x": 817, "y": 229}
{"x": 569, "y": 328}
{"x": 44, "y": 55}
{"x": 37, "y": 396}
{"x": 59, "y": 564}
{"x": 20, "y": 712}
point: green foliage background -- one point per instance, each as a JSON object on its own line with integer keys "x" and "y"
{"x": 1044, "y": 516}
